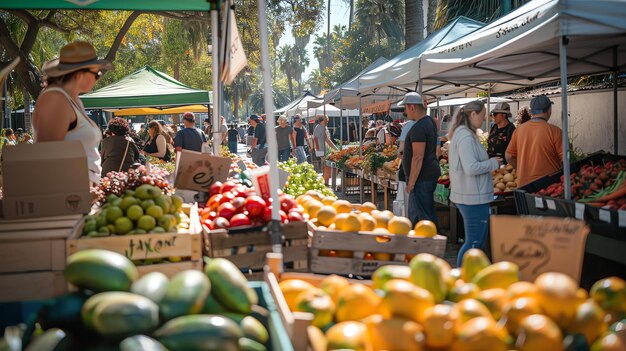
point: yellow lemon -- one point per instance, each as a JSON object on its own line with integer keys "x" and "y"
{"x": 425, "y": 228}
{"x": 326, "y": 215}
{"x": 367, "y": 222}
{"x": 399, "y": 225}
{"x": 342, "y": 206}
{"x": 368, "y": 207}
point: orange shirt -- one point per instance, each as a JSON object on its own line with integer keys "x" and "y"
{"x": 538, "y": 147}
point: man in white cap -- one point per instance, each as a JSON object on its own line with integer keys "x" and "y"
{"x": 536, "y": 148}
{"x": 419, "y": 160}
{"x": 501, "y": 132}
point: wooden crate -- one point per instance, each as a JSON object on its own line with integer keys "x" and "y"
{"x": 247, "y": 249}
{"x": 399, "y": 246}
{"x": 32, "y": 257}
{"x": 185, "y": 244}
{"x": 296, "y": 323}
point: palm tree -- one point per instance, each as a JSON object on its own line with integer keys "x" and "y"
{"x": 481, "y": 10}
{"x": 414, "y": 29}
{"x": 431, "y": 16}
{"x": 289, "y": 64}
{"x": 381, "y": 18}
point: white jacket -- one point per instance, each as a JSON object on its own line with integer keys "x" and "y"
{"x": 471, "y": 182}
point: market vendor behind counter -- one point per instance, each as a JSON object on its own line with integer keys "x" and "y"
{"x": 501, "y": 132}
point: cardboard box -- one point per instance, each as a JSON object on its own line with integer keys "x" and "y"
{"x": 197, "y": 171}
{"x": 45, "y": 179}
{"x": 539, "y": 244}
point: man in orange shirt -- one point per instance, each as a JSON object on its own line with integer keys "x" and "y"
{"x": 536, "y": 147}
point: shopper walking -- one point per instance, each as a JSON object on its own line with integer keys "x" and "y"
{"x": 301, "y": 137}
{"x": 536, "y": 147}
{"x": 233, "y": 138}
{"x": 190, "y": 137}
{"x": 119, "y": 150}
{"x": 156, "y": 146}
{"x": 59, "y": 114}
{"x": 471, "y": 183}
{"x": 419, "y": 160}
{"x": 284, "y": 139}
{"x": 9, "y": 137}
{"x": 321, "y": 138}
{"x": 258, "y": 146}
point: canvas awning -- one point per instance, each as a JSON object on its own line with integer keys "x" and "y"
{"x": 141, "y": 111}
{"x": 346, "y": 94}
{"x": 330, "y": 111}
{"x": 306, "y": 96}
{"x": 403, "y": 70}
{"x": 146, "y": 87}
{"x": 523, "y": 46}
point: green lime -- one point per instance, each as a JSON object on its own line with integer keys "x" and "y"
{"x": 128, "y": 201}
{"x": 167, "y": 221}
{"x": 114, "y": 213}
{"x": 147, "y": 203}
{"x": 134, "y": 212}
{"x": 158, "y": 230}
{"x": 123, "y": 225}
{"x": 104, "y": 230}
{"x": 146, "y": 222}
{"x": 177, "y": 201}
{"x": 164, "y": 202}
{"x": 90, "y": 226}
{"x": 155, "y": 211}
{"x": 112, "y": 229}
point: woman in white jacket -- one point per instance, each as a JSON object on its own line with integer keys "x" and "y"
{"x": 470, "y": 175}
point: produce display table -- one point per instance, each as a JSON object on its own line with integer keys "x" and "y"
{"x": 368, "y": 183}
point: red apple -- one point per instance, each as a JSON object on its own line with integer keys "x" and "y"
{"x": 238, "y": 202}
{"x": 283, "y": 216}
{"x": 220, "y": 223}
{"x": 227, "y": 186}
{"x": 215, "y": 188}
{"x": 227, "y": 197}
{"x": 240, "y": 191}
{"x": 267, "y": 214}
{"x": 239, "y": 220}
{"x": 255, "y": 206}
{"x": 214, "y": 202}
{"x": 287, "y": 203}
{"x": 226, "y": 210}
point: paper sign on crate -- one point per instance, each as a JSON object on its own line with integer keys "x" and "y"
{"x": 539, "y": 244}
{"x": 197, "y": 171}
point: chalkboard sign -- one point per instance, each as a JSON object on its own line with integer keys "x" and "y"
{"x": 539, "y": 244}
{"x": 197, "y": 171}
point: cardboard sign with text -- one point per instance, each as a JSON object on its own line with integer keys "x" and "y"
{"x": 197, "y": 171}
{"x": 539, "y": 244}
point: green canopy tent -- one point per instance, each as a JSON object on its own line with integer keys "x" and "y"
{"x": 146, "y": 87}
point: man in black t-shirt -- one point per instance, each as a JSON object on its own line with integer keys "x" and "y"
{"x": 190, "y": 137}
{"x": 258, "y": 147}
{"x": 233, "y": 137}
{"x": 419, "y": 160}
{"x": 501, "y": 132}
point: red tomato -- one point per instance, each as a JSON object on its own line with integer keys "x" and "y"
{"x": 287, "y": 203}
{"x": 255, "y": 206}
{"x": 283, "y": 216}
{"x": 295, "y": 216}
{"x": 240, "y": 191}
{"x": 239, "y": 220}
{"x": 220, "y": 222}
{"x": 267, "y": 214}
{"x": 227, "y": 197}
{"x": 238, "y": 202}
{"x": 227, "y": 186}
{"x": 214, "y": 202}
{"x": 215, "y": 188}
{"x": 208, "y": 223}
{"x": 226, "y": 210}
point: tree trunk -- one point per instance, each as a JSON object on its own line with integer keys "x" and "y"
{"x": 432, "y": 16}
{"x": 289, "y": 81}
{"x": 236, "y": 103}
{"x": 177, "y": 70}
{"x": 414, "y": 22}
{"x": 28, "y": 118}
{"x": 351, "y": 15}
{"x": 328, "y": 31}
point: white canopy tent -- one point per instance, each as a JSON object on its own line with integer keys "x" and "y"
{"x": 540, "y": 41}
{"x": 330, "y": 111}
{"x": 306, "y": 96}
{"x": 346, "y": 95}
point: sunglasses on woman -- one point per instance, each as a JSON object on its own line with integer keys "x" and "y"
{"x": 96, "y": 75}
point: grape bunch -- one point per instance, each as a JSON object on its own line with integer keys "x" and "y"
{"x": 303, "y": 178}
{"x": 117, "y": 182}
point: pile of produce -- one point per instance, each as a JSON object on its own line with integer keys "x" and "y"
{"x": 147, "y": 209}
{"x": 602, "y": 185}
{"x": 479, "y": 307}
{"x": 392, "y": 166}
{"x": 117, "y": 183}
{"x": 303, "y": 178}
{"x": 115, "y": 309}
{"x": 444, "y": 178}
{"x": 330, "y": 213}
{"x": 504, "y": 179}
{"x": 233, "y": 205}
{"x": 162, "y": 165}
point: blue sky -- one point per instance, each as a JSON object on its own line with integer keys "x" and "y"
{"x": 339, "y": 14}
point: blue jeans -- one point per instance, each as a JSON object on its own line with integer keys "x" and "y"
{"x": 232, "y": 146}
{"x": 476, "y": 223}
{"x": 283, "y": 155}
{"x": 300, "y": 154}
{"x": 422, "y": 202}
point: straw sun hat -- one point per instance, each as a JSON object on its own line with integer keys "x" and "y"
{"x": 73, "y": 57}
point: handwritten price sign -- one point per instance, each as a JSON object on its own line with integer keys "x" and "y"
{"x": 538, "y": 245}
{"x": 197, "y": 171}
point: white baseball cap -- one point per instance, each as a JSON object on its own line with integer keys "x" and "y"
{"x": 411, "y": 98}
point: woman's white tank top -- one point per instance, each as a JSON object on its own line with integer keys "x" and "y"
{"x": 87, "y": 132}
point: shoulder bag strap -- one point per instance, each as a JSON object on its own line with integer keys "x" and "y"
{"x": 124, "y": 158}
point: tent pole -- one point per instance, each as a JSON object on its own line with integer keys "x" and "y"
{"x": 565, "y": 131}
{"x": 340, "y": 127}
{"x": 272, "y": 152}
{"x": 488, "y": 122}
{"x": 215, "y": 75}
{"x": 360, "y": 148}
{"x": 615, "y": 119}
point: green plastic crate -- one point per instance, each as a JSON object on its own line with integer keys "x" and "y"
{"x": 279, "y": 340}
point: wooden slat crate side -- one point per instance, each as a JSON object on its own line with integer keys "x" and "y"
{"x": 40, "y": 225}
{"x": 221, "y": 239}
{"x": 344, "y": 266}
{"x": 170, "y": 268}
{"x": 36, "y": 255}
{"x": 369, "y": 242}
{"x": 32, "y": 286}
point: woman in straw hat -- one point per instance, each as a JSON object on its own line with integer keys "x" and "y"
{"x": 59, "y": 114}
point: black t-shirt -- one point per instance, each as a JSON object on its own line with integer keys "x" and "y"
{"x": 232, "y": 135}
{"x": 499, "y": 139}
{"x": 299, "y": 136}
{"x": 424, "y": 130}
{"x": 259, "y": 134}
